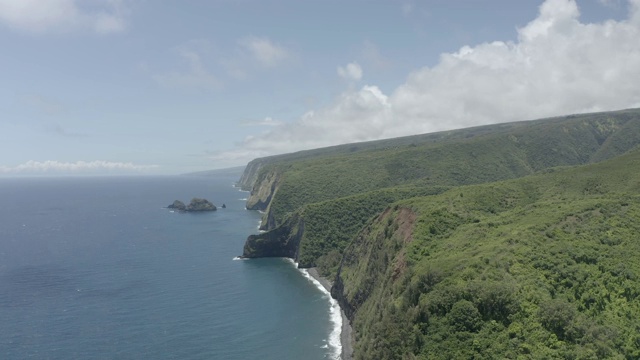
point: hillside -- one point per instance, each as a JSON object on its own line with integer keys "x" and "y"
{"x": 335, "y": 194}
{"x": 511, "y": 240}
{"x": 460, "y": 157}
{"x": 542, "y": 267}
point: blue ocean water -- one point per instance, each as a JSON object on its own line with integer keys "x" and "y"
{"x": 97, "y": 268}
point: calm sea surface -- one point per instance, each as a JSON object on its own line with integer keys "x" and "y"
{"x": 97, "y": 268}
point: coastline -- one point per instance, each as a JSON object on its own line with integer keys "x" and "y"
{"x": 346, "y": 333}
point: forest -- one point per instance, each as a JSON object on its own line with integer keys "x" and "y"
{"x": 513, "y": 240}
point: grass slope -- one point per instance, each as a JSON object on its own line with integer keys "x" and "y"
{"x": 336, "y": 195}
{"x": 461, "y": 157}
{"x": 540, "y": 267}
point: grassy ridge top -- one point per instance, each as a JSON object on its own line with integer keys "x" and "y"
{"x": 421, "y": 139}
{"x": 452, "y": 158}
{"x": 540, "y": 267}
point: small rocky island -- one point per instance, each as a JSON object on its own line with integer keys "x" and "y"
{"x": 196, "y": 205}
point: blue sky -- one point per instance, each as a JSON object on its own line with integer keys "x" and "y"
{"x": 166, "y": 87}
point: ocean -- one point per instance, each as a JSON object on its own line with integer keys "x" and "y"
{"x": 99, "y": 268}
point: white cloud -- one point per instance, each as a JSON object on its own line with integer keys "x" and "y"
{"x": 264, "y": 50}
{"x": 268, "y": 121}
{"x": 610, "y": 3}
{"x": 52, "y": 166}
{"x": 557, "y": 66}
{"x": 354, "y": 116}
{"x": 40, "y": 16}
{"x": 196, "y": 76}
{"x": 352, "y": 71}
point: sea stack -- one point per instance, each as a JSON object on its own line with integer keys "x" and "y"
{"x": 178, "y": 205}
{"x": 196, "y": 205}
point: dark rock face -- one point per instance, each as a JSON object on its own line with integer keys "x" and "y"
{"x": 178, "y": 205}
{"x": 196, "y": 205}
{"x": 282, "y": 241}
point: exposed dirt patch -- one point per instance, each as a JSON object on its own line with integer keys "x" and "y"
{"x": 384, "y": 214}
{"x": 406, "y": 220}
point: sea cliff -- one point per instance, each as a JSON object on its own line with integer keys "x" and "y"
{"x": 283, "y": 241}
{"x": 250, "y": 174}
{"x": 378, "y": 221}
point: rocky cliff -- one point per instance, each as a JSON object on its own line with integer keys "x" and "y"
{"x": 375, "y": 256}
{"x": 263, "y": 190}
{"x": 250, "y": 174}
{"x": 282, "y": 241}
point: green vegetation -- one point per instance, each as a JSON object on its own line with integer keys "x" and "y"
{"x": 461, "y": 157}
{"x": 505, "y": 241}
{"x": 540, "y": 267}
{"x": 335, "y": 191}
{"x": 330, "y": 225}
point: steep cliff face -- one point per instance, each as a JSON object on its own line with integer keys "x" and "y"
{"x": 282, "y": 241}
{"x": 376, "y": 256}
{"x": 250, "y": 174}
{"x": 264, "y": 188}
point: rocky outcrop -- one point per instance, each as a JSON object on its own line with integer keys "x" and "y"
{"x": 196, "y": 205}
{"x": 178, "y": 205}
{"x": 263, "y": 190}
{"x": 250, "y": 174}
{"x": 282, "y": 241}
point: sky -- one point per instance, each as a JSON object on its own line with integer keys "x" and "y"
{"x": 170, "y": 87}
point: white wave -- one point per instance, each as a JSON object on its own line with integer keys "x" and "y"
{"x": 290, "y": 261}
{"x": 239, "y": 258}
{"x": 243, "y": 199}
{"x": 261, "y": 212}
{"x": 335, "y": 316}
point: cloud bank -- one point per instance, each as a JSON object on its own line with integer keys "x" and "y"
{"x": 263, "y": 50}
{"x": 40, "y": 16}
{"x": 352, "y": 71}
{"x": 558, "y": 65}
{"x": 268, "y": 121}
{"x": 78, "y": 167}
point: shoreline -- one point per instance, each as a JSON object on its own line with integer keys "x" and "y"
{"x": 346, "y": 333}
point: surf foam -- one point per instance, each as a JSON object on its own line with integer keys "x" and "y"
{"x": 335, "y": 314}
